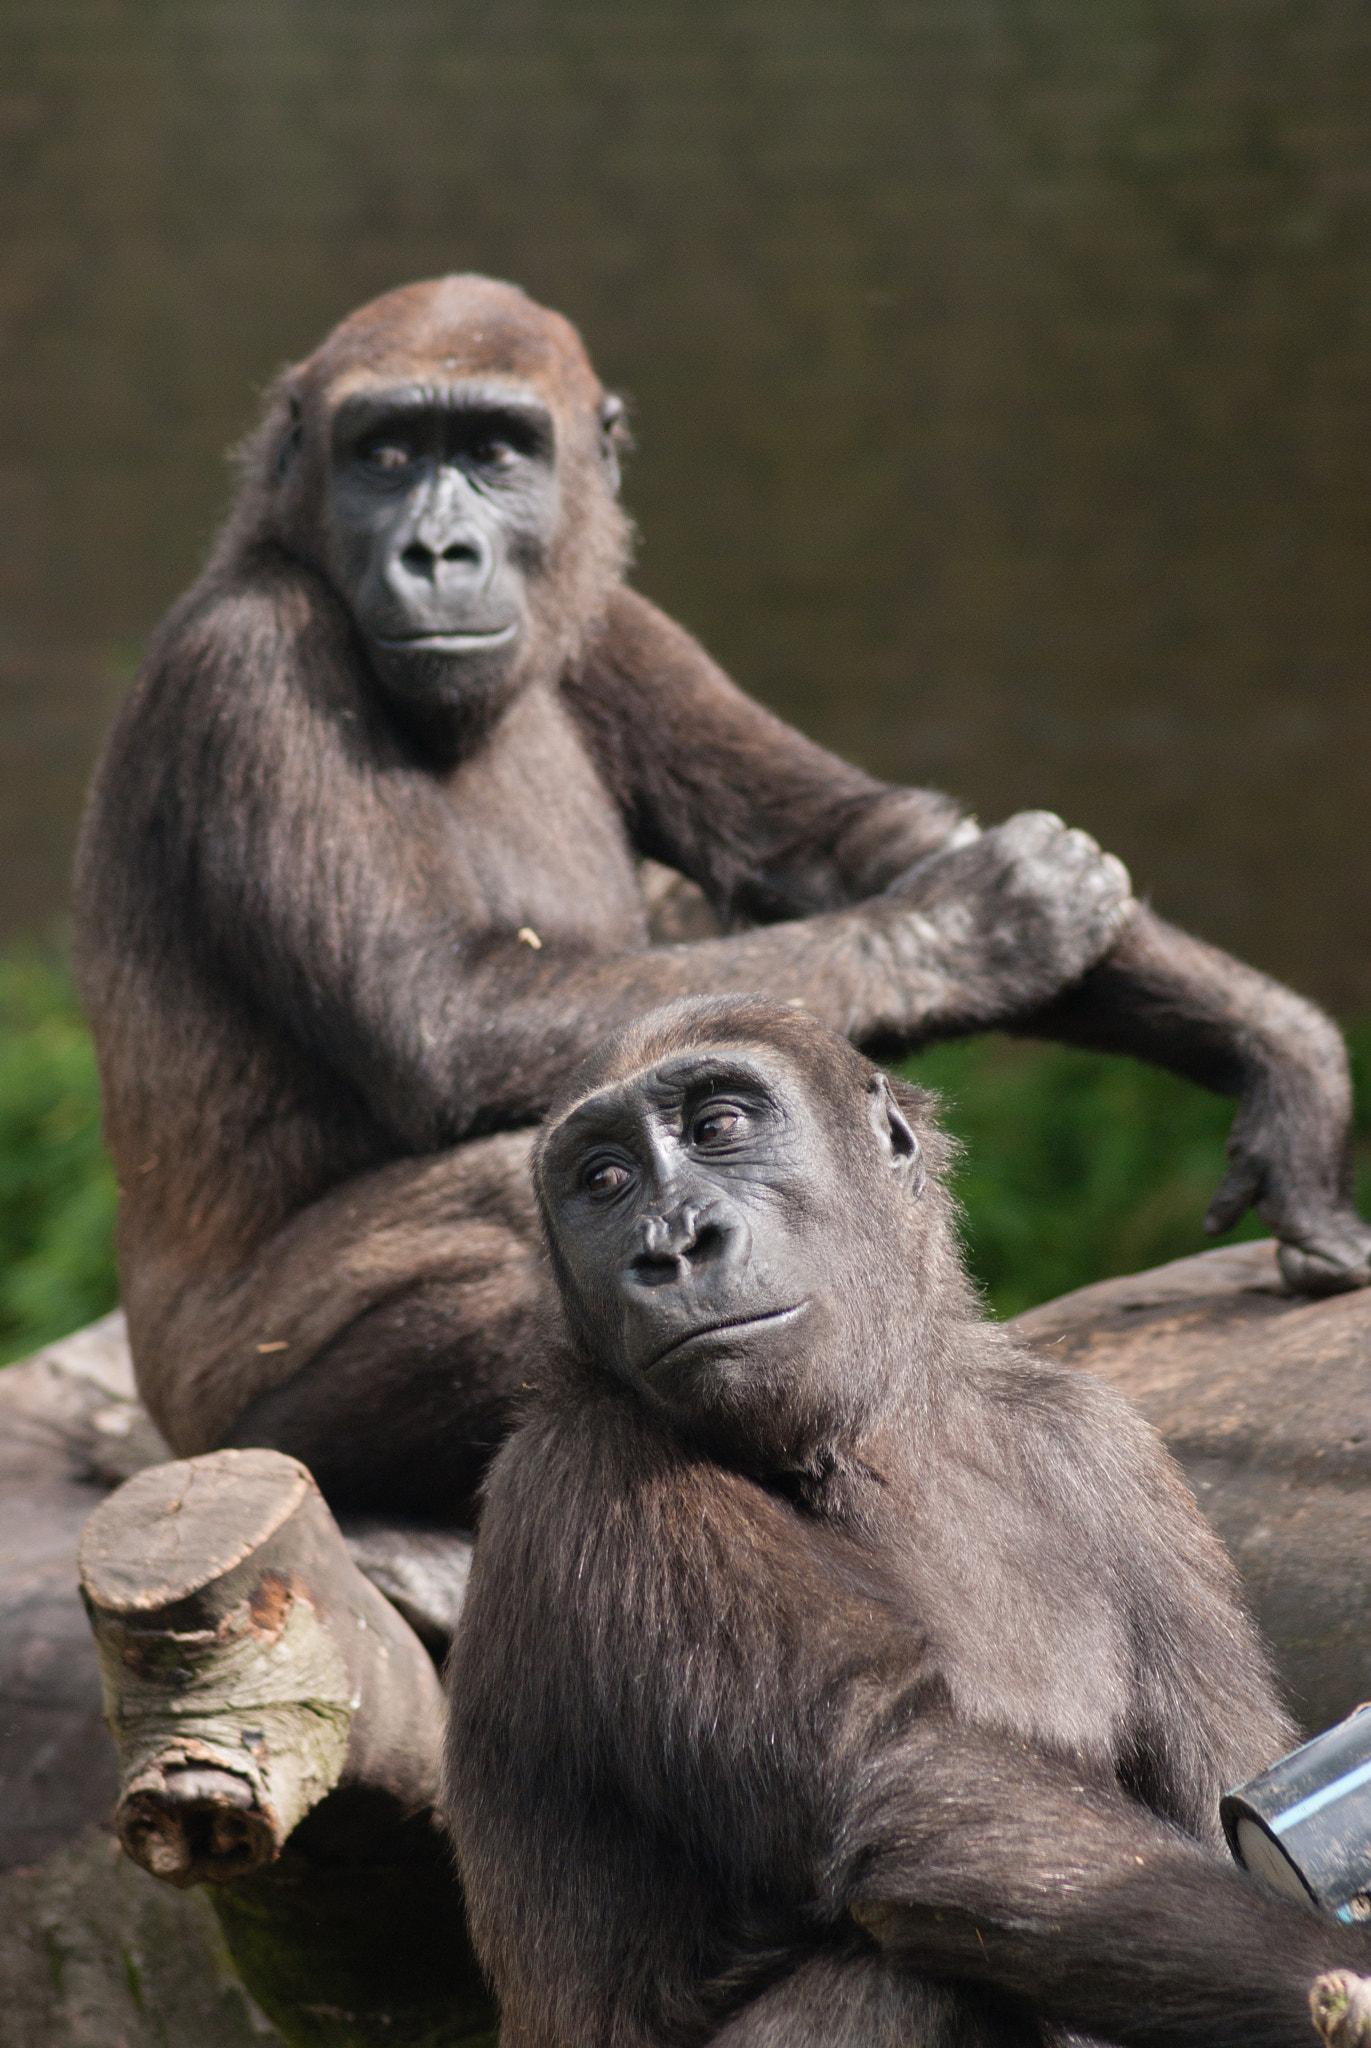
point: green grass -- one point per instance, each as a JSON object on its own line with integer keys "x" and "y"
{"x": 56, "y": 1186}
{"x": 1076, "y": 1167}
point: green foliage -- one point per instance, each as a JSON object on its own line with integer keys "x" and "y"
{"x": 57, "y": 1190}
{"x": 1075, "y": 1167}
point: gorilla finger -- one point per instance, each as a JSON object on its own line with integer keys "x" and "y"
{"x": 1118, "y": 874}
{"x": 1031, "y": 831}
{"x": 1233, "y": 1197}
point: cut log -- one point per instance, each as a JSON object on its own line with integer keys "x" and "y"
{"x": 248, "y": 1666}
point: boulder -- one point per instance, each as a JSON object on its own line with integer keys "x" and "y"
{"x": 1265, "y": 1399}
{"x": 352, "y": 1933}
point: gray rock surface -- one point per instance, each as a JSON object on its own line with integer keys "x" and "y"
{"x": 95, "y": 1954}
{"x": 1265, "y": 1398}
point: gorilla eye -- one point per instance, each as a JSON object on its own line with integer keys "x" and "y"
{"x": 714, "y": 1124}
{"x": 604, "y": 1177}
{"x": 388, "y": 455}
{"x": 494, "y": 455}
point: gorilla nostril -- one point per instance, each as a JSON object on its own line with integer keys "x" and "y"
{"x": 460, "y": 551}
{"x": 656, "y": 1269}
{"x": 709, "y": 1241}
{"x": 418, "y": 559}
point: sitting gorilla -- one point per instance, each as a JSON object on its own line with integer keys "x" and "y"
{"x": 832, "y": 1671}
{"x": 358, "y": 888}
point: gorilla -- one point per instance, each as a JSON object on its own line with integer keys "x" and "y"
{"x": 359, "y": 886}
{"x": 833, "y": 1671}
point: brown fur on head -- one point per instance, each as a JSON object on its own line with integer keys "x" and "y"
{"x": 449, "y": 329}
{"x": 732, "y": 1020}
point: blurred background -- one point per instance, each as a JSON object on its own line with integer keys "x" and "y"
{"x": 1001, "y": 378}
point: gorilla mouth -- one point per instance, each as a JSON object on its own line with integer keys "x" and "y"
{"x": 449, "y": 643}
{"x": 775, "y": 1315}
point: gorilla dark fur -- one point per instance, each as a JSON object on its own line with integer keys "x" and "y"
{"x": 832, "y": 1672}
{"x": 357, "y": 889}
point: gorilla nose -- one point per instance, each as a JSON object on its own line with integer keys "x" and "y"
{"x": 423, "y": 560}
{"x": 684, "y": 1243}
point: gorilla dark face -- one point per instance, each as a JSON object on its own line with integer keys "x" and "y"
{"x": 701, "y": 1215}
{"x": 445, "y": 500}
{"x": 448, "y": 460}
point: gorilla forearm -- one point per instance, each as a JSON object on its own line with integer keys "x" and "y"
{"x": 488, "y": 1033}
{"x": 770, "y": 825}
{"x": 1163, "y": 996}
{"x": 983, "y": 1860}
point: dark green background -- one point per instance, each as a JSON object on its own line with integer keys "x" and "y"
{"x": 1002, "y": 383}
{"x": 1000, "y": 370}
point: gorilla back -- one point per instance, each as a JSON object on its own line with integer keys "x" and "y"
{"x": 831, "y": 1671}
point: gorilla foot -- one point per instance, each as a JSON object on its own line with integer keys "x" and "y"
{"x": 1335, "y": 1260}
{"x": 248, "y": 1666}
{"x": 1340, "y": 2006}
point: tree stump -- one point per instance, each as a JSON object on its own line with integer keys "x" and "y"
{"x": 354, "y": 1936}
{"x": 248, "y": 1666}
{"x": 253, "y": 1678}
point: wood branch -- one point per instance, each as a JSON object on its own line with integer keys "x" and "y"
{"x": 248, "y": 1666}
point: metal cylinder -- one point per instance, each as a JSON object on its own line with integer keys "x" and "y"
{"x": 1304, "y": 1825}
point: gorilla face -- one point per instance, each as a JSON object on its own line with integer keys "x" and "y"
{"x": 443, "y": 502}
{"x": 701, "y": 1215}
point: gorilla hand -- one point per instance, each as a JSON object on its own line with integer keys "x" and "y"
{"x": 1290, "y": 1159}
{"x": 1023, "y": 910}
{"x": 1161, "y": 995}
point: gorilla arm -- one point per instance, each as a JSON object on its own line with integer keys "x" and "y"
{"x": 1109, "y": 1904}
{"x": 1163, "y": 996}
{"x": 974, "y": 1857}
{"x": 772, "y": 826}
{"x": 769, "y": 824}
{"x": 326, "y": 871}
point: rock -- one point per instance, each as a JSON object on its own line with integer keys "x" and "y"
{"x": 1265, "y": 1398}
{"x": 354, "y": 1934}
{"x": 70, "y": 1427}
{"x": 95, "y": 1954}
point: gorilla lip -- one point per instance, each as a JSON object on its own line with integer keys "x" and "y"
{"x": 451, "y": 643}
{"x": 774, "y": 1315}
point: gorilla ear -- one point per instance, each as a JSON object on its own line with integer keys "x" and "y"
{"x": 290, "y": 442}
{"x": 613, "y": 434}
{"x": 896, "y": 1136}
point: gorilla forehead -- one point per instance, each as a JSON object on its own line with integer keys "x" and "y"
{"x": 468, "y": 326}
{"x": 708, "y": 1023}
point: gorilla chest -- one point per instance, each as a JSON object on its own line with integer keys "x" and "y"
{"x": 1023, "y": 1638}
{"x": 536, "y": 842}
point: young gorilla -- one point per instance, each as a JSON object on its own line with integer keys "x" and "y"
{"x": 832, "y": 1672}
{"x": 357, "y": 890}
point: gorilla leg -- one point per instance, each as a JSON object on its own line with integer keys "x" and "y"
{"x": 404, "y": 1408}
{"x": 855, "y": 2000}
{"x": 380, "y": 1336}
